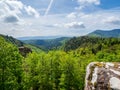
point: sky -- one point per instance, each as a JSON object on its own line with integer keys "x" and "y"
{"x": 20, "y": 18}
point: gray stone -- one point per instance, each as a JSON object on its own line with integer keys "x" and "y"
{"x": 102, "y": 76}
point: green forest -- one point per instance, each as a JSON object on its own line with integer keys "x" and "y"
{"x": 57, "y": 69}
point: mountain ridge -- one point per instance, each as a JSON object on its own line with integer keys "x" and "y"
{"x": 105, "y": 33}
{"x": 48, "y": 44}
{"x": 39, "y": 37}
{"x": 19, "y": 43}
{"x": 12, "y": 40}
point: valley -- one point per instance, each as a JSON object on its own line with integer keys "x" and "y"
{"x": 60, "y": 65}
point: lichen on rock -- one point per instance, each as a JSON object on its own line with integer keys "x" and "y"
{"x": 102, "y": 76}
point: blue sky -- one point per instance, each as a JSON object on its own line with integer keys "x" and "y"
{"x": 108, "y": 4}
{"x": 57, "y": 17}
{"x": 65, "y": 6}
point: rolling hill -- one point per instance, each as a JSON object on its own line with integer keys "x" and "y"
{"x": 19, "y": 43}
{"x": 95, "y": 44}
{"x": 55, "y": 42}
{"x": 58, "y": 67}
{"x": 106, "y": 33}
{"x": 12, "y": 40}
{"x": 48, "y": 44}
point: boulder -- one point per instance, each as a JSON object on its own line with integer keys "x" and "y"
{"x": 103, "y": 76}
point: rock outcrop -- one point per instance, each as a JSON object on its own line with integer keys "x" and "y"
{"x": 24, "y": 50}
{"x": 103, "y": 76}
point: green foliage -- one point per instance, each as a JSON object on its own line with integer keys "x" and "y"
{"x": 34, "y": 48}
{"x": 94, "y": 44}
{"x": 100, "y": 33}
{"x": 10, "y": 67}
{"x": 54, "y": 70}
{"x": 48, "y": 44}
{"x": 12, "y": 40}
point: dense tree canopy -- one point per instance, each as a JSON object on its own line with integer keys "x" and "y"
{"x": 57, "y": 69}
{"x": 10, "y": 66}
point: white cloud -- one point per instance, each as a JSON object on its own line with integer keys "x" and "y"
{"x": 60, "y": 25}
{"x": 14, "y": 11}
{"x": 95, "y": 2}
{"x": 87, "y": 5}
{"x": 32, "y": 11}
{"x": 10, "y": 7}
{"x": 101, "y": 19}
{"x": 112, "y": 20}
{"x": 75, "y": 25}
{"x": 70, "y": 25}
{"x": 71, "y": 15}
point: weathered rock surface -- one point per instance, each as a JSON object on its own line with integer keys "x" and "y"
{"x": 103, "y": 76}
{"x": 24, "y": 50}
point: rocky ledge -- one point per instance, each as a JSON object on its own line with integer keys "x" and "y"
{"x": 103, "y": 76}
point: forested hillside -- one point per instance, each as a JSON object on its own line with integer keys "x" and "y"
{"x": 19, "y": 43}
{"x": 56, "y": 69}
{"x": 95, "y": 44}
{"x": 12, "y": 40}
{"x": 105, "y": 33}
{"x": 10, "y": 66}
{"x": 48, "y": 44}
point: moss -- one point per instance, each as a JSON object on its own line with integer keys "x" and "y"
{"x": 89, "y": 83}
{"x": 91, "y": 72}
{"x": 100, "y": 64}
{"x": 116, "y": 65}
{"x": 109, "y": 87}
{"x": 95, "y": 84}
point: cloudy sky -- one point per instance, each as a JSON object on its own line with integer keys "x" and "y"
{"x": 20, "y": 18}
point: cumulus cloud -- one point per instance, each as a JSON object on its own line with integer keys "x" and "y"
{"x": 75, "y": 25}
{"x": 71, "y": 25}
{"x": 87, "y": 5}
{"x": 11, "y": 19}
{"x": 12, "y": 10}
{"x": 112, "y": 20}
{"x": 95, "y": 2}
{"x": 101, "y": 19}
{"x": 32, "y": 11}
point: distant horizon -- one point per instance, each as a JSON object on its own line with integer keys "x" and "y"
{"x": 63, "y": 35}
{"x": 57, "y": 35}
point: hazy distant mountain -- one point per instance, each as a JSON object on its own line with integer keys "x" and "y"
{"x": 38, "y": 37}
{"x": 106, "y": 33}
